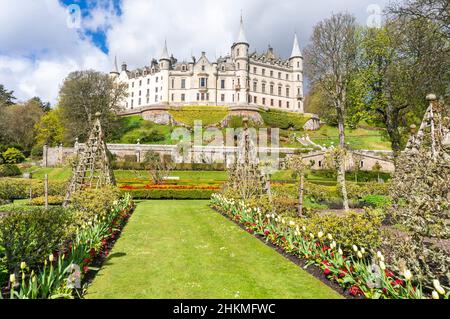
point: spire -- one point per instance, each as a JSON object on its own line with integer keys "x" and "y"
{"x": 116, "y": 67}
{"x": 296, "y": 53}
{"x": 165, "y": 54}
{"x": 242, "y": 38}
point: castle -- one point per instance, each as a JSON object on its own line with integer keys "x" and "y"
{"x": 241, "y": 80}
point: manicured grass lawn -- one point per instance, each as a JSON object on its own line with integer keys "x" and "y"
{"x": 183, "y": 249}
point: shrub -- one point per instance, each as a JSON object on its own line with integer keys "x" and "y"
{"x": 17, "y": 188}
{"x": 207, "y": 114}
{"x": 170, "y": 193}
{"x": 358, "y": 191}
{"x": 9, "y": 170}
{"x": 93, "y": 202}
{"x": 36, "y": 151}
{"x": 32, "y": 234}
{"x": 376, "y": 201}
{"x": 284, "y": 120}
{"x": 52, "y": 200}
{"x": 13, "y": 156}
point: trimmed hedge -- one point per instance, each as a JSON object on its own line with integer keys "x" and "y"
{"x": 7, "y": 170}
{"x": 130, "y": 165}
{"x": 170, "y": 193}
{"x": 284, "y": 120}
{"x": 18, "y": 188}
{"x": 209, "y": 115}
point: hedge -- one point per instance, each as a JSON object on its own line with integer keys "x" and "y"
{"x": 284, "y": 120}
{"x": 170, "y": 193}
{"x": 133, "y": 165}
{"x": 209, "y": 115}
{"x": 18, "y": 188}
{"x": 7, "y": 170}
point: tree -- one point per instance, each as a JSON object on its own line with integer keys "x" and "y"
{"x": 157, "y": 167}
{"x": 85, "y": 93}
{"x": 50, "y": 129}
{"x": 300, "y": 169}
{"x": 400, "y": 63}
{"x": 45, "y": 106}
{"x": 6, "y": 97}
{"x": 17, "y": 124}
{"x": 330, "y": 61}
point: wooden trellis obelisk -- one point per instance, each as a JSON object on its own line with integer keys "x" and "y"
{"x": 93, "y": 168}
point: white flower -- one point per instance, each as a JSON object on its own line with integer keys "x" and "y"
{"x": 359, "y": 254}
{"x": 333, "y": 244}
{"x": 340, "y": 251}
{"x": 23, "y": 265}
{"x": 297, "y": 229}
{"x": 355, "y": 248}
{"x": 267, "y": 216}
{"x": 273, "y": 215}
{"x": 12, "y": 278}
{"x": 330, "y": 237}
{"x": 311, "y": 235}
{"x": 304, "y": 228}
{"x": 382, "y": 265}
{"x": 320, "y": 234}
{"x": 283, "y": 221}
{"x": 51, "y": 258}
{"x": 438, "y": 287}
{"x": 407, "y": 274}
{"x": 435, "y": 295}
{"x": 296, "y": 233}
{"x": 291, "y": 223}
{"x": 363, "y": 250}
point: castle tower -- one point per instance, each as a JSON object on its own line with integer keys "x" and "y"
{"x": 240, "y": 56}
{"x": 164, "y": 66}
{"x": 296, "y": 62}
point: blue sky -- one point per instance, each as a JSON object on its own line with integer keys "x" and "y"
{"x": 39, "y": 46}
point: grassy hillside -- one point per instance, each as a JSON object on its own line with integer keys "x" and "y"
{"x": 209, "y": 115}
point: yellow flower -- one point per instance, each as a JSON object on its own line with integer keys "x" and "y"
{"x": 438, "y": 287}
{"x": 12, "y": 278}
{"x": 333, "y": 244}
{"x": 435, "y": 295}
{"x": 382, "y": 265}
{"x": 51, "y": 258}
{"x": 320, "y": 234}
{"x": 363, "y": 250}
{"x": 311, "y": 235}
{"x": 359, "y": 254}
{"x": 23, "y": 265}
{"x": 330, "y": 237}
{"x": 304, "y": 228}
{"x": 355, "y": 248}
{"x": 340, "y": 251}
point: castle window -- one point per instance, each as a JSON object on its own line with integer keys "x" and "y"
{"x": 287, "y": 104}
{"x": 279, "y": 103}
{"x": 183, "y": 68}
{"x": 140, "y": 93}
{"x": 287, "y": 92}
{"x": 156, "y": 90}
{"x": 254, "y": 70}
{"x": 132, "y": 94}
{"x": 203, "y": 82}
{"x": 132, "y": 103}
{"x": 148, "y": 100}
{"x": 148, "y": 92}
{"x": 320, "y": 163}
{"x": 140, "y": 82}
{"x": 183, "y": 97}
{"x": 237, "y": 52}
{"x": 298, "y": 91}
{"x": 255, "y": 86}
{"x": 233, "y": 98}
{"x": 298, "y": 64}
{"x": 173, "y": 83}
{"x": 239, "y": 66}
{"x": 156, "y": 98}
{"x": 139, "y": 101}
{"x": 361, "y": 164}
{"x": 223, "y": 68}
{"x": 279, "y": 90}
{"x": 287, "y": 77}
{"x": 132, "y": 84}
{"x": 271, "y": 102}
{"x": 271, "y": 89}
{"x": 173, "y": 97}
{"x": 222, "y": 97}
{"x": 222, "y": 84}
{"x": 279, "y": 75}
{"x": 255, "y": 99}
{"x": 264, "y": 101}
{"x": 156, "y": 79}
{"x": 183, "y": 83}
{"x": 203, "y": 68}
{"x": 203, "y": 96}
{"x": 298, "y": 77}
{"x": 148, "y": 81}
{"x": 271, "y": 73}
{"x": 263, "y": 72}
{"x": 198, "y": 96}
{"x": 207, "y": 96}
{"x": 264, "y": 87}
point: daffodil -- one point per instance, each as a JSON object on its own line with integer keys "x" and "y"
{"x": 435, "y": 295}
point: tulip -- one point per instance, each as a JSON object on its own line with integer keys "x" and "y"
{"x": 340, "y": 251}
{"x": 291, "y": 223}
{"x": 304, "y": 228}
{"x": 435, "y": 295}
{"x": 363, "y": 251}
{"x": 382, "y": 265}
{"x": 359, "y": 254}
{"x": 12, "y": 278}
{"x": 438, "y": 287}
{"x": 320, "y": 234}
{"x": 23, "y": 265}
{"x": 333, "y": 244}
{"x": 330, "y": 237}
{"x": 379, "y": 255}
{"x": 51, "y": 258}
{"x": 407, "y": 274}
{"x": 355, "y": 248}
{"x": 311, "y": 235}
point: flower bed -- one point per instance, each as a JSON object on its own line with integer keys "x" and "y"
{"x": 170, "y": 187}
{"x": 62, "y": 273}
{"x": 360, "y": 271}
{"x": 171, "y": 193}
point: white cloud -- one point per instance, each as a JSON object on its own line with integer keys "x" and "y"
{"x": 37, "y": 49}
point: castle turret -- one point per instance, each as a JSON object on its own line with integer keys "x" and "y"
{"x": 296, "y": 61}
{"x": 241, "y": 60}
{"x": 164, "y": 66}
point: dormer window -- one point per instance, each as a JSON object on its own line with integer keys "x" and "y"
{"x": 223, "y": 68}
{"x": 183, "y": 68}
{"x": 237, "y": 52}
{"x": 203, "y": 68}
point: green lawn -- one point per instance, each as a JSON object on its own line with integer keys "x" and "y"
{"x": 183, "y": 249}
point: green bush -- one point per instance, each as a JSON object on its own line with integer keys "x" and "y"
{"x": 376, "y": 201}
{"x": 170, "y": 193}
{"x": 13, "y": 156}
{"x": 209, "y": 115}
{"x": 32, "y": 234}
{"x": 358, "y": 191}
{"x": 284, "y": 120}
{"x": 52, "y": 200}
{"x": 18, "y": 188}
{"x": 7, "y": 170}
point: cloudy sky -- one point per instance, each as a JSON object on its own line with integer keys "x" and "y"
{"x": 41, "y": 41}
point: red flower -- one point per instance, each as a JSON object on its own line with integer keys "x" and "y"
{"x": 325, "y": 248}
{"x": 283, "y": 238}
{"x": 326, "y": 271}
{"x": 87, "y": 261}
{"x": 267, "y": 233}
{"x": 85, "y": 269}
{"x": 388, "y": 273}
{"x": 92, "y": 252}
{"x": 397, "y": 282}
{"x": 326, "y": 262}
